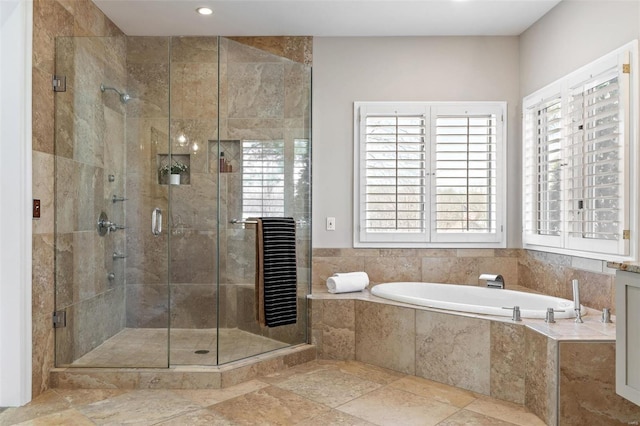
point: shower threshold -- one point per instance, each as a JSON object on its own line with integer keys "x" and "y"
{"x": 96, "y": 373}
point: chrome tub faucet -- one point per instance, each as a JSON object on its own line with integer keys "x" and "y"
{"x": 493, "y": 281}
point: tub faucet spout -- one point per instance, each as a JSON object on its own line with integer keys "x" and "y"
{"x": 493, "y": 281}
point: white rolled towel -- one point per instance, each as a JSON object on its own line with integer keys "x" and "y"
{"x": 347, "y": 282}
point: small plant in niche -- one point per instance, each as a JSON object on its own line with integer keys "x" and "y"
{"x": 175, "y": 168}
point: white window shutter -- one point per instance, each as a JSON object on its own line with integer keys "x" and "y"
{"x": 467, "y": 169}
{"x": 543, "y": 165}
{"x": 597, "y": 194}
{"x": 393, "y": 186}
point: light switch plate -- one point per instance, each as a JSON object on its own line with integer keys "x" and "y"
{"x": 331, "y": 224}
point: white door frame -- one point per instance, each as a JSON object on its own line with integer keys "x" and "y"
{"x": 16, "y": 29}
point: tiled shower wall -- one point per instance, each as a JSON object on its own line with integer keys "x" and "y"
{"x": 544, "y": 272}
{"x": 51, "y": 18}
{"x": 89, "y": 146}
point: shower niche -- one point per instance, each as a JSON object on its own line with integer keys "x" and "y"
{"x": 168, "y": 165}
{"x": 183, "y": 292}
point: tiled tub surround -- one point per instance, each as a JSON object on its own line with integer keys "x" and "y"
{"x": 545, "y": 273}
{"x": 531, "y": 363}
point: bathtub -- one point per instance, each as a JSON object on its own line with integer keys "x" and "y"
{"x": 472, "y": 299}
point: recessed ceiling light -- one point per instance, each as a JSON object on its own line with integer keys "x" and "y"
{"x": 204, "y": 11}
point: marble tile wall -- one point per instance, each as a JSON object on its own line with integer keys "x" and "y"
{"x": 587, "y": 387}
{"x": 89, "y": 146}
{"x": 51, "y": 19}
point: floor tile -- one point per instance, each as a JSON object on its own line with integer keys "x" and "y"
{"x": 269, "y": 406}
{"x": 47, "y": 403}
{"x": 391, "y": 406}
{"x": 335, "y": 417}
{"x": 79, "y": 397}
{"x": 506, "y": 411}
{"x": 369, "y": 372}
{"x": 207, "y": 397}
{"x": 469, "y": 418}
{"x": 328, "y": 387}
{"x": 200, "y": 417}
{"x": 143, "y": 407}
{"x": 434, "y": 390}
{"x": 70, "y": 417}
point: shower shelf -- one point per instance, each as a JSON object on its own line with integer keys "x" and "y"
{"x": 163, "y": 159}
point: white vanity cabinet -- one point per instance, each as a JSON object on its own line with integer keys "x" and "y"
{"x": 628, "y": 335}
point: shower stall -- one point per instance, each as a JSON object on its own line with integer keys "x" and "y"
{"x": 166, "y": 150}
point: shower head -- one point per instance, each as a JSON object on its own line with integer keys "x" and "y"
{"x": 124, "y": 97}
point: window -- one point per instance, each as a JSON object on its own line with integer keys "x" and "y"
{"x": 262, "y": 178}
{"x": 429, "y": 174}
{"x": 577, "y": 161}
{"x": 269, "y": 186}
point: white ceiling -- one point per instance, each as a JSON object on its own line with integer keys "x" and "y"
{"x": 326, "y": 17}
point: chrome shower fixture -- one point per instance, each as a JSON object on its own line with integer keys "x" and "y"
{"x": 124, "y": 97}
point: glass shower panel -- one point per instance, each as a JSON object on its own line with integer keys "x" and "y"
{"x": 111, "y": 271}
{"x": 262, "y": 159}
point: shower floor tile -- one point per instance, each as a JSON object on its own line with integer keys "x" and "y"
{"x": 147, "y": 347}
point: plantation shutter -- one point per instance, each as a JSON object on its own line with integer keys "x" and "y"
{"x": 393, "y": 175}
{"x": 597, "y": 204}
{"x": 262, "y": 178}
{"x": 465, "y": 186}
{"x": 543, "y": 173}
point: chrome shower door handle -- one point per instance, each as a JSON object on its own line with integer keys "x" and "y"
{"x": 156, "y": 221}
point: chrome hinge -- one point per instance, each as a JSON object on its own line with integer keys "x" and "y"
{"x": 626, "y": 68}
{"x": 59, "y": 83}
{"x": 59, "y": 319}
{"x": 626, "y": 234}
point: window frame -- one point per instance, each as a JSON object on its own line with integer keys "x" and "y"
{"x": 564, "y": 88}
{"x": 429, "y": 238}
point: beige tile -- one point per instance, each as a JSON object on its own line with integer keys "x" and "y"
{"x": 390, "y": 269}
{"x": 200, "y": 417}
{"x": 207, "y": 397}
{"x": 335, "y": 417}
{"x": 433, "y": 390}
{"x": 505, "y": 411}
{"x": 79, "y": 397}
{"x": 48, "y": 402}
{"x": 587, "y": 390}
{"x": 541, "y": 385}
{"x": 69, "y": 417}
{"x": 391, "y": 406}
{"x": 328, "y": 387}
{"x": 508, "y": 362}
{"x": 385, "y": 336}
{"x": 140, "y": 407}
{"x": 271, "y": 405}
{"x": 368, "y": 371}
{"x": 469, "y": 418}
{"x": 450, "y": 270}
{"x": 454, "y": 350}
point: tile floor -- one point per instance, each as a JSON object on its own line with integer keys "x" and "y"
{"x": 147, "y": 347}
{"x": 315, "y": 393}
